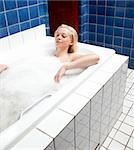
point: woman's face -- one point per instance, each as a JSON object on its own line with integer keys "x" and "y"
{"x": 63, "y": 39}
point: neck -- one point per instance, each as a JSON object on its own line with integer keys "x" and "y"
{"x": 60, "y": 52}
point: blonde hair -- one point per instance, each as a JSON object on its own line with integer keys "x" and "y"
{"x": 72, "y": 48}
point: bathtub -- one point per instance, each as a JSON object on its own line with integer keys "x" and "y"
{"x": 75, "y": 114}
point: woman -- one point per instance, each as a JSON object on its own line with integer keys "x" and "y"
{"x": 66, "y": 46}
{"x": 3, "y": 67}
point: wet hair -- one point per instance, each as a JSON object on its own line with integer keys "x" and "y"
{"x": 73, "y": 34}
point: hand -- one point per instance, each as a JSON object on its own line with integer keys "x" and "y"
{"x": 60, "y": 74}
{"x": 3, "y": 67}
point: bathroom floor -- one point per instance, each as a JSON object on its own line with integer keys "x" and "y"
{"x": 122, "y": 135}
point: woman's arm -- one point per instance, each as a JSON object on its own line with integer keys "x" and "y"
{"x": 78, "y": 61}
{"x": 3, "y": 67}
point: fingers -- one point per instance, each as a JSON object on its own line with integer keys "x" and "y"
{"x": 57, "y": 77}
{"x": 3, "y": 67}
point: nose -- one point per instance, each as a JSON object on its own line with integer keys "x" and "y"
{"x": 59, "y": 37}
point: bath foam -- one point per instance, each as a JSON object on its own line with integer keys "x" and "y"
{"x": 27, "y": 80}
{"x": 24, "y": 83}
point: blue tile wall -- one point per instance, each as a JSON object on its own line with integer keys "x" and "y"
{"x": 110, "y": 24}
{"x": 19, "y": 15}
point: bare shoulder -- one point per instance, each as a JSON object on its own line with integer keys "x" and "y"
{"x": 74, "y": 56}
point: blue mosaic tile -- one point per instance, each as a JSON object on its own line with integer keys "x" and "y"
{"x": 109, "y": 30}
{"x": 25, "y": 26}
{"x": 14, "y": 29}
{"x": 1, "y": 6}
{"x": 108, "y": 39}
{"x": 128, "y": 23}
{"x": 131, "y": 63}
{"x": 101, "y": 2}
{"x": 92, "y": 36}
{"x": 110, "y": 2}
{"x": 118, "y": 32}
{"x": 23, "y": 14}
{"x": 127, "y": 43}
{"x": 92, "y": 10}
{"x": 119, "y": 12}
{"x": 101, "y": 11}
{"x": 118, "y": 50}
{"x": 110, "y": 11}
{"x": 43, "y": 9}
{"x": 117, "y": 41}
{"x": 100, "y": 38}
{"x": 120, "y": 3}
{"x": 3, "y": 32}
{"x": 12, "y": 17}
{"x": 32, "y": 2}
{"x": 130, "y": 4}
{"x": 132, "y": 53}
{"x": 130, "y": 13}
{"x": 101, "y": 20}
{"x": 100, "y": 29}
{"x": 119, "y": 22}
{"x": 2, "y": 20}
{"x": 92, "y": 19}
{"x": 33, "y": 12}
{"x": 92, "y": 28}
{"x": 126, "y": 51}
{"x": 109, "y": 21}
{"x": 92, "y": 2}
{"x": 127, "y": 33}
{"x": 35, "y": 22}
{"x": 10, "y": 4}
{"x": 21, "y": 3}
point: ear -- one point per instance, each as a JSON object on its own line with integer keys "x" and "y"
{"x": 71, "y": 41}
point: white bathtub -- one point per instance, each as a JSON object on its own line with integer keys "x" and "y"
{"x": 40, "y": 118}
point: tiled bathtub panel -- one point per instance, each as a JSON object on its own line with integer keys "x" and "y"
{"x": 105, "y": 115}
{"x": 95, "y": 120}
{"x": 82, "y": 128}
{"x": 50, "y": 147}
{"x": 115, "y": 97}
{"x": 65, "y": 140}
{"x": 35, "y": 139}
{"x": 123, "y": 78}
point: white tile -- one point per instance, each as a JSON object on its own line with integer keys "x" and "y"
{"x": 122, "y": 117}
{"x": 55, "y": 122}
{"x": 133, "y": 134}
{"x": 130, "y": 97}
{"x": 126, "y": 129}
{"x": 102, "y": 148}
{"x": 129, "y": 120}
{"x": 127, "y": 148}
{"x": 114, "y": 145}
{"x": 128, "y": 72}
{"x": 88, "y": 89}
{"x": 131, "y": 112}
{"x": 127, "y": 89}
{"x": 104, "y": 76}
{"x": 125, "y": 109}
{"x": 112, "y": 133}
{"x": 117, "y": 125}
{"x": 131, "y": 92}
{"x": 35, "y": 139}
{"x": 74, "y": 103}
{"x": 107, "y": 142}
{"x": 127, "y": 103}
{"x": 121, "y": 137}
{"x": 131, "y": 143}
{"x": 128, "y": 84}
